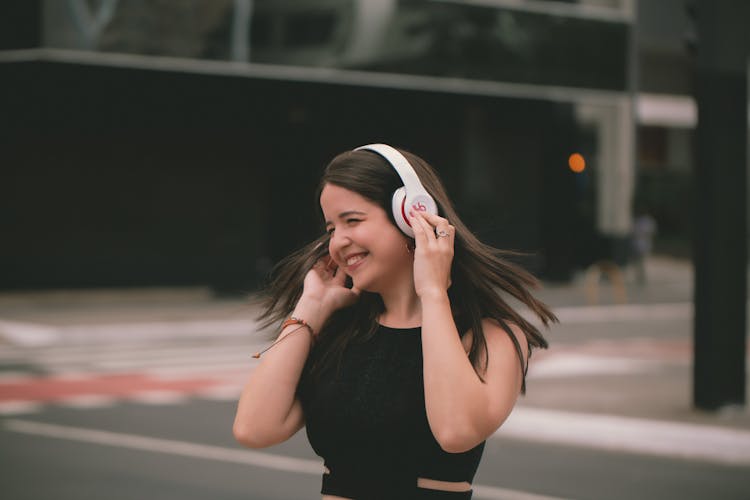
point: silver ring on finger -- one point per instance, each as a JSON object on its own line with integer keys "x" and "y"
{"x": 441, "y": 233}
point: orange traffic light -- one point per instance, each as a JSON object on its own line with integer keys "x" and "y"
{"x": 577, "y": 163}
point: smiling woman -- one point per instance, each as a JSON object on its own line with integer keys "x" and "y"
{"x": 363, "y": 242}
{"x": 412, "y": 356}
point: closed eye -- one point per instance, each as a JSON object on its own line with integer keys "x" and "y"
{"x": 350, "y": 222}
{"x": 347, "y": 218}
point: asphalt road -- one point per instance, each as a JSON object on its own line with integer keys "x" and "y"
{"x": 185, "y": 451}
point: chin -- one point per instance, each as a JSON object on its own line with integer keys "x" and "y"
{"x": 366, "y": 285}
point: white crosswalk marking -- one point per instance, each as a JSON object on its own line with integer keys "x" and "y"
{"x": 181, "y": 358}
{"x": 221, "y": 393}
{"x": 85, "y": 401}
{"x": 158, "y": 397}
{"x": 18, "y": 407}
{"x": 32, "y": 334}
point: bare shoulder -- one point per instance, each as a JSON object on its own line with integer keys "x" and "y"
{"x": 495, "y": 332}
{"x": 500, "y": 346}
{"x": 496, "y": 335}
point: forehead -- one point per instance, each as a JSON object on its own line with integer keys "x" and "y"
{"x": 336, "y": 199}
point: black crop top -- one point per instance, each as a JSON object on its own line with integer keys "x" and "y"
{"x": 368, "y": 422}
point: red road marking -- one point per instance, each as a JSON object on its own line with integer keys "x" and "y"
{"x": 119, "y": 385}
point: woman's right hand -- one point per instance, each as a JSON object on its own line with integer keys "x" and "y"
{"x": 325, "y": 287}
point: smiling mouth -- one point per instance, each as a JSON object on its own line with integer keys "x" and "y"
{"x": 355, "y": 259}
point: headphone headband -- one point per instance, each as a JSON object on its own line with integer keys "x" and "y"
{"x": 400, "y": 164}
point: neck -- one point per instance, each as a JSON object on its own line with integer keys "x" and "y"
{"x": 403, "y": 309}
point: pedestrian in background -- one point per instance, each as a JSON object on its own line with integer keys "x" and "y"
{"x": 644, "y": 229}
{"x": 610, "y": 258}
{"x": 398, "y": 350}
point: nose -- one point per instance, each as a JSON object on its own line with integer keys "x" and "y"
{"x": 339, "y": 241}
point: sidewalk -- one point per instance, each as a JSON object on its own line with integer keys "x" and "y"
{"x": 669, "y": 280}
{"x": 644, "y": 351}
{"x": 619, "y": 376}
{"x": 622, "y": 370}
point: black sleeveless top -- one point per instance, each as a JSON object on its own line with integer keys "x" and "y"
{"x": 367, "y": 420}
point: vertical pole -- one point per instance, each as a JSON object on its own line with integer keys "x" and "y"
{"x": 241, "y": 16}
{"x": 720, "y": 204}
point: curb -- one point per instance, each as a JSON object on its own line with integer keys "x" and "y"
{"x": 636, "y": 435}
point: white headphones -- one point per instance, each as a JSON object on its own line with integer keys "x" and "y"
{"x": 412, "y": 194}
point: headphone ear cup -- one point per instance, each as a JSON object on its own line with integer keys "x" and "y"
{"x": 399, "y": 214}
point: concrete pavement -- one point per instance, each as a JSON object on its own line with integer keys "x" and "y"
{"x": 618, "y": 375}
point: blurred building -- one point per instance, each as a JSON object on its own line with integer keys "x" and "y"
{"x": 179, "y": 141}
{"x": 667, "y": 118}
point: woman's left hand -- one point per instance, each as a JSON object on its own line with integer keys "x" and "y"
{"x": 433, "y": 253}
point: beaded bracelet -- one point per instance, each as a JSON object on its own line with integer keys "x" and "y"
{"x": 298, "y": 321}
{"x": 291, "y": 321}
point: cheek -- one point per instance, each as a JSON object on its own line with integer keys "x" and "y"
{"x": 332, "y": 252}
{"x": 396, "y": 243}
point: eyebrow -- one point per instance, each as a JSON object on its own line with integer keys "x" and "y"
{"x": 343, "y": 215}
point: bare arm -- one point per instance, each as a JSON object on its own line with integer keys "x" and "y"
{"x": 268, "y": 411}
{"x": 461, "y": 409}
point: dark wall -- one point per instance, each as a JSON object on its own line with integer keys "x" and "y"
{"x": 19, "y": 24}
{"x": 121, "y": 177}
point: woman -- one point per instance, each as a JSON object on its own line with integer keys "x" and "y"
{"x": 399, "y": 354}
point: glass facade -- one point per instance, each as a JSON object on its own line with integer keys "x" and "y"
{"x": 585, "y": 47}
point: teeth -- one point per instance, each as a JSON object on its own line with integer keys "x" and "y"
{"x": 354, "y": 259}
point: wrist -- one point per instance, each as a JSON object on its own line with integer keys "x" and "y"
{"x": 433, "y": 295}
{"x": 312, "y": 312}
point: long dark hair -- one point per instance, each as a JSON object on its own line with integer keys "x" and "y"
{"x": 480, "y": 274}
